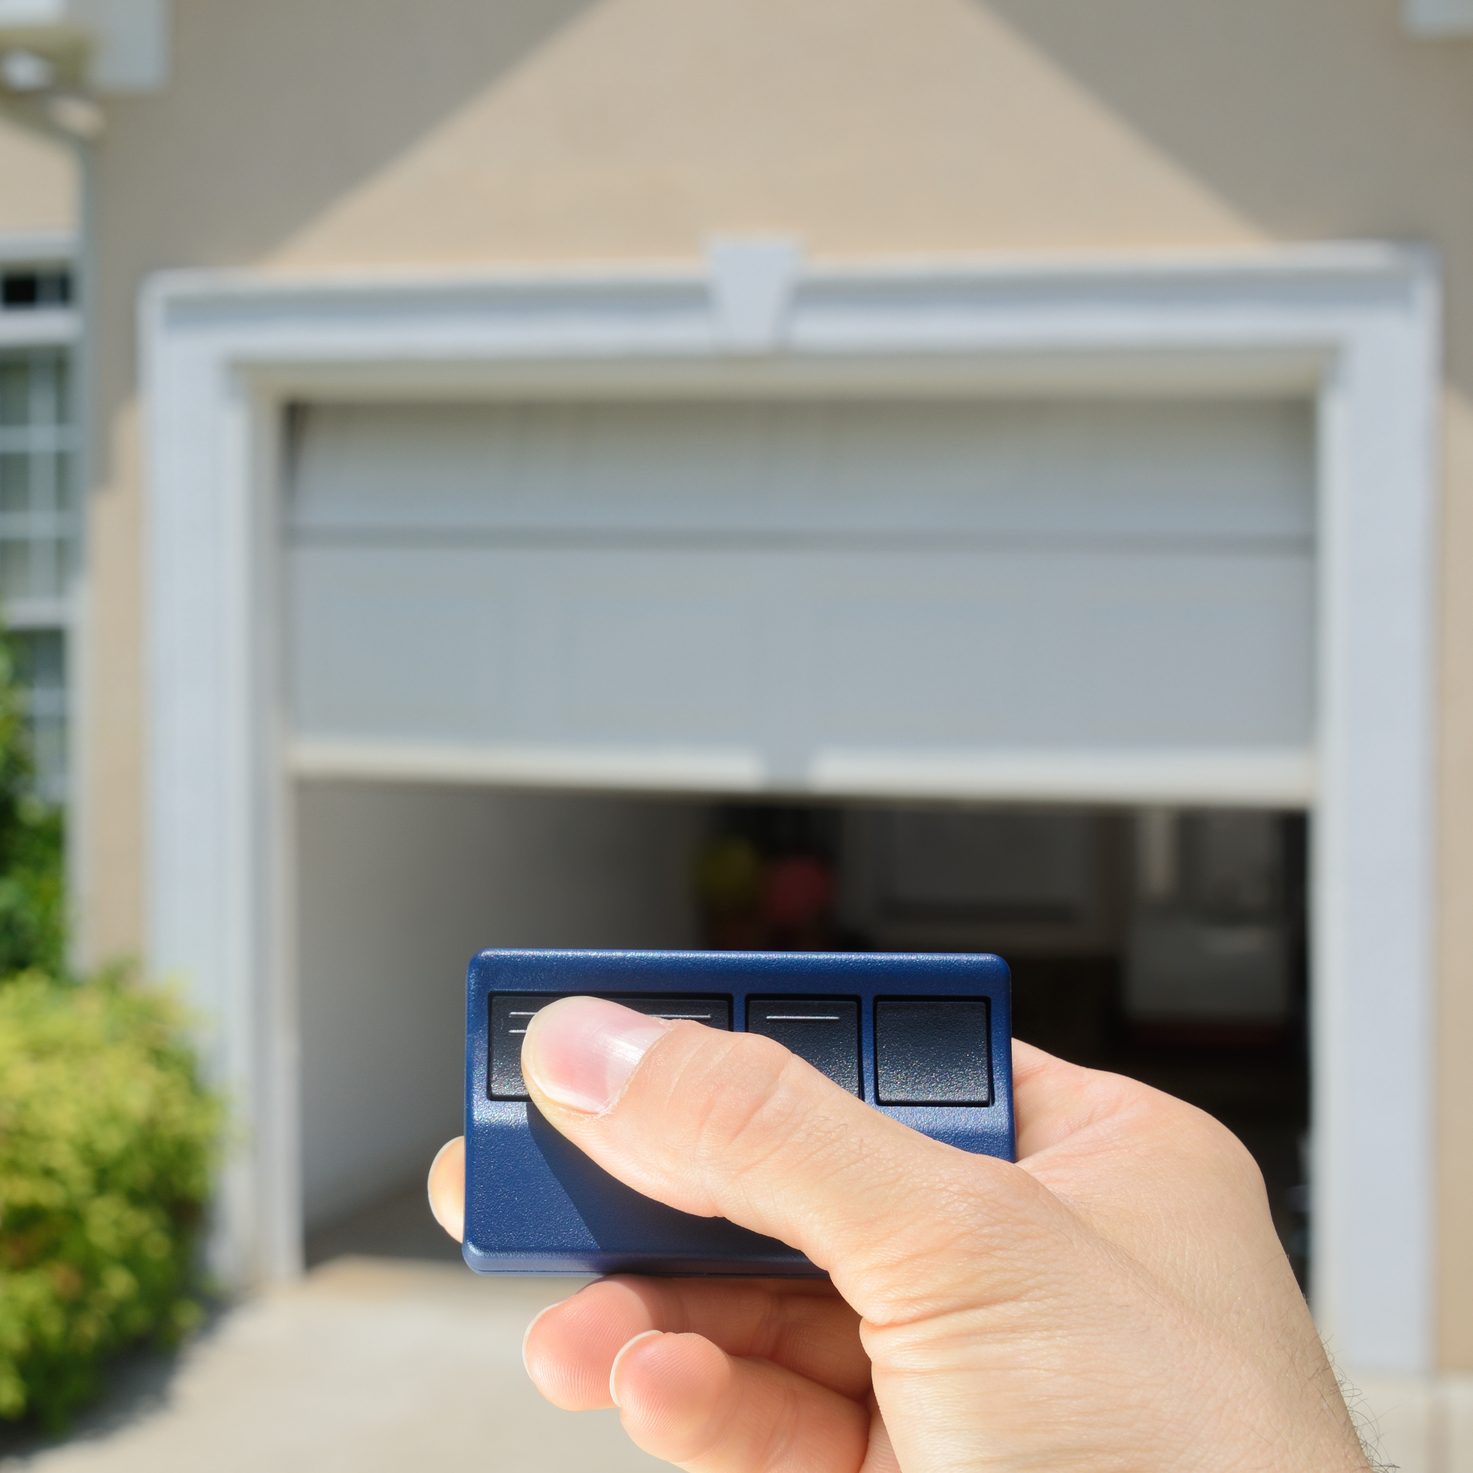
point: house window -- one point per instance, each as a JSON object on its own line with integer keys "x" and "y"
{"x": 39, "y": 520}
{"x": 41, "y": 672}
{"x": 30, "y": 286}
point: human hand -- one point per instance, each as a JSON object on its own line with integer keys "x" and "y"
{"x": 1118, "y": 1300}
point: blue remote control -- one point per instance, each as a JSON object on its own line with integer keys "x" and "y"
{"x": 926, "y": 1039}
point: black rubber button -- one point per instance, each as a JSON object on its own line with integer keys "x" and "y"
{"x": 932, "y": 1051}
{"x": 512, "y": 1011}
{"x": 823, "y": 1030}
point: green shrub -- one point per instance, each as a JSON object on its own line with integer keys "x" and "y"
{"x": 32, "y": 869}
{"x": 107, "y": 1145}
{"x": 33, "y": 899}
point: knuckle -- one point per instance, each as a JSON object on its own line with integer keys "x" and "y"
{"x": 747, "y": 1105}
{"x": 1217, "y": 1152}
{"x": 985, "y": 1201}
{"x": 1211, "y": 1137}
{"x": 1237, "y": 1163}
{"x": 986, "y": 1212}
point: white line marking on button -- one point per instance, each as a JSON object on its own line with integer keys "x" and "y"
{"x": 801, "y": 1018}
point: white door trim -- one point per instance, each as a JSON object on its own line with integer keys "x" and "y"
{"x": 1357, "y": 325}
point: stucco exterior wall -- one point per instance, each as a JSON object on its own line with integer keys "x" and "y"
{"x": 37, "y": 182}
{"x": 328, "y": 134}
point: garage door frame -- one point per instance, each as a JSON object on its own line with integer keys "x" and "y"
{"x": 1354, "y": 325}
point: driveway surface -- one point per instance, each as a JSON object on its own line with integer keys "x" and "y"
{"x": 368, "y": 1365}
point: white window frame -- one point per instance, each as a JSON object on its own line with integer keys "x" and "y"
{"x": 52, "y": 326}
{"x": 1356, "y": 326}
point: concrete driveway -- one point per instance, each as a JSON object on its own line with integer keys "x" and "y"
{"x": 368, "y": 1365}
{"x": 383, "y": 1364}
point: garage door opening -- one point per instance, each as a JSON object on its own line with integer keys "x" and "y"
{"x": 1165, "y": 943}
{"x": 1096, "y": 533}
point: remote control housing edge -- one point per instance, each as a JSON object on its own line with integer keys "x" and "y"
{"x": 536, "y": 1205}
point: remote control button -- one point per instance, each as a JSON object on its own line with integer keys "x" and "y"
{"x": 511, "y": 1012}
{"x": 932, "y": 1052}
{"x": 823, "y": 1030}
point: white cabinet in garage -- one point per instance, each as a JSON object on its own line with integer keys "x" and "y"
{"x": 753, "y": 593}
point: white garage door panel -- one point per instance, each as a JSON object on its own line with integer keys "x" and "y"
{"x": 788, "y": 653}
{"x": 779, "y": 586}
{"x": 827, "y": 469}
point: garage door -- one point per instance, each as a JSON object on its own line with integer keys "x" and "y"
{"x": 801, "y": 594}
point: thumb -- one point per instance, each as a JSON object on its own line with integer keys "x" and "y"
{"x": 733, "y": 1125}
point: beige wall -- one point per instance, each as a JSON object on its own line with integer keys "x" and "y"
{"x": 317, "y": 134}
{"x": 37, "y": 173}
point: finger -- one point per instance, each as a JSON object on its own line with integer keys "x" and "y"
{"x": 733, "y": 1125}
{"x": 685, "y": 1400}
{"x": 1054, "y": 1099}
{"x": 570, "y": 1347}
{"x": 447, "y": 1187}
{"x": 1104, "y": 1143}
